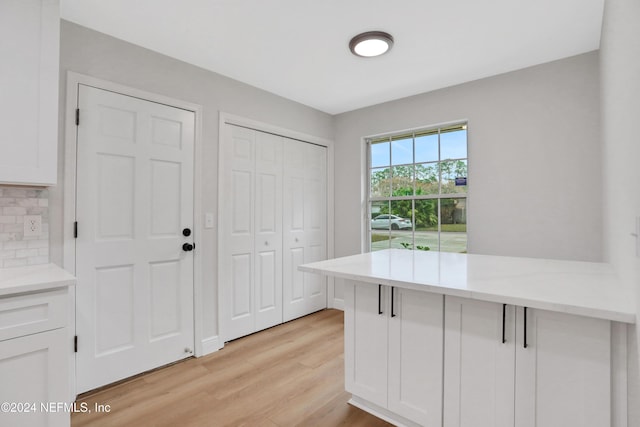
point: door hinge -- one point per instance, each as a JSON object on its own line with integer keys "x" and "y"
{"x": 75, "y": 230}
{"x": 75, "y": 344}
{"x": 77, "y": 117}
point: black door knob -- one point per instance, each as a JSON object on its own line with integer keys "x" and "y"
{"x": 187, "y": 247}
{"x": 186, "y": 232}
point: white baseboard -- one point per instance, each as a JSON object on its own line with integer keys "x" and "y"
{"x": 338, "y": 304}
{"x": 210, "y": 345}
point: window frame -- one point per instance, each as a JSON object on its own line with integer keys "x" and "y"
{"x": 390, "y": 137}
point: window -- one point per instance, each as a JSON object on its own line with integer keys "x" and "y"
{"x": 418, "y": 190}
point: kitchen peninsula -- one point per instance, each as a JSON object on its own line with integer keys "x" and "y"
{"x": 435, "y": 338}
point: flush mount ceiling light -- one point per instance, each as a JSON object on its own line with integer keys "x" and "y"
{"x": 371, "y": 43}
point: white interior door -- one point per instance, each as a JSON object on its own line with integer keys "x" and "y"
{"x": 305, "y": 227}
{"x": 134, "y": 308}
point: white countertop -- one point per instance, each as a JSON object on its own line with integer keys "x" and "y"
{"x": 18, "y": 280}
{"x": 582, "y": 288}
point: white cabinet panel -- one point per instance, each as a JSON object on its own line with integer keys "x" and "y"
{"x": 34, "y": 369}
{"x": 415, "y": 356}
{"x": 479, "y": 366}
{"x": 30, "y": 31}
{"x": 366, "y": 342}
{"x": 393, "y": 354}
{"x": 563, "y": 376}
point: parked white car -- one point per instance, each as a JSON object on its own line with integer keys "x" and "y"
{"x": 383, "y": 222}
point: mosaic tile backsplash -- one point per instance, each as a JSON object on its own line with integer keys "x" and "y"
{"x": 16, "y": 249}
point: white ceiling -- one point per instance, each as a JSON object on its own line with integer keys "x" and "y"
{"x": 299, "y": 48}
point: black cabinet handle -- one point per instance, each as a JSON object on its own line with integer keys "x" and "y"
{"x": 393, "y": 314}
{"x": 379, "y": 299}
{"x": 504, "y": 315}
{"x": 525, "y": 327}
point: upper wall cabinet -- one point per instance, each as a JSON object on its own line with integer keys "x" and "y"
{"x": 29, "y": 48}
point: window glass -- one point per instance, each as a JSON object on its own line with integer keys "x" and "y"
{"x": 380, "y": 154}
{"x": 454, "y": 176}
{"x": 402, "y": 180}
{"x": 402, "y": 150}
{"x": 417, "y": 190}
{"x": 427, "y": 179}
{"x": 427, "y": 148}
{"x": 380, "y": 185}
{"x": 453, "y": 225}
{"x": 453, "y": 144}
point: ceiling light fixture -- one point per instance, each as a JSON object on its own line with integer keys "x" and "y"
{"x": 371, "y": 43}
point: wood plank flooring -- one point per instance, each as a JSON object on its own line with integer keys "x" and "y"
{"x": 289, "y": 375}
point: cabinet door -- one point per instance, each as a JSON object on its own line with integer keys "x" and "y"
{"x": 563, "y": 376}
{"x": 30, "y": 34}
{"x": 34, "y": 369}
{"x": 365, "y": 337}
{"x": 479, "y": 367}
{"x": 415, "y": 356}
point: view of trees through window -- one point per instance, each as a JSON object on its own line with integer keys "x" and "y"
{"x": 418, "y": 190}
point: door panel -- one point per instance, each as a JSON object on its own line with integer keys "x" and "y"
{"x": 134, "y": 196}
{"x": 268, "y": 230}
{"x": 305, "y": 226}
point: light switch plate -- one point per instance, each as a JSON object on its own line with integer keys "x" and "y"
{"x": 208, "y": 220}
{"x": 32, "y": 225}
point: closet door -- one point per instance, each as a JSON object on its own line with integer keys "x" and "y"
{"x": 236, "y": 210}
{"x": 268, "y": 231}
{"x": 305, "y": 226}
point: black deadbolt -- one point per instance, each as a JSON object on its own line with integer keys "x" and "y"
{"x": 186, "y": 232}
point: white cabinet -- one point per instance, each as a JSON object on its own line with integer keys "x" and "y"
{"x": 29, "y": 48}
{"x": 479, "y": 369}
{"x": 34, "y": 359}
{"x": 562, "y": 377}
{"x": 393, "y": 351}
{"x": 272, "y": 219}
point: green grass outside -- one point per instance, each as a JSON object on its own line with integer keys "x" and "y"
{"x": 379, "y": 237}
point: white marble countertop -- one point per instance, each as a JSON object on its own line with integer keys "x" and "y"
{"x": 582, "y": 288}
{"x": 18, "y": 280}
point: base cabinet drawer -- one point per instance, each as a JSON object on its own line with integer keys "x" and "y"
{"x": 32, "y": 313}
{"x": 34, "y": 380}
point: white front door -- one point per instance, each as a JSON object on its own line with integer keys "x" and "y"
{"x": 134, "y": 298}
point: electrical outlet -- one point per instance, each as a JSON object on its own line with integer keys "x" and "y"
{"x": 32, "y": 225}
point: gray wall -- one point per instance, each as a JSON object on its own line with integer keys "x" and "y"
{"x": 620, "y": 68}
{"x": 534, "y": 159}
{"x": 98, "y": 55}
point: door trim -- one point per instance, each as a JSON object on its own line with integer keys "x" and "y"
{"x": 69, "y": 191}
{"x": 226, "y": 118}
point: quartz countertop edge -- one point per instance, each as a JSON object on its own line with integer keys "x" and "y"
{"x": 573, "y": 287}
{"x": 20, "y": 280}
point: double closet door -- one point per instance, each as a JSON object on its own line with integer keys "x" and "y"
{"x": 273, "y": 216}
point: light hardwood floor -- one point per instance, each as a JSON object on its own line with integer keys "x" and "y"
{"x": 289, "y": 375}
